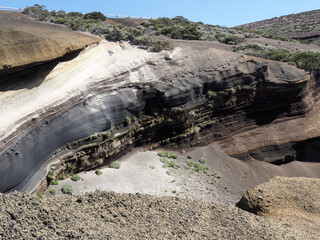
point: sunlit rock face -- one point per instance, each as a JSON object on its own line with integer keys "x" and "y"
{"x": 45, "y": 107}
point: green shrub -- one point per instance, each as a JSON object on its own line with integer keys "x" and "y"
{"x": 198, "y": 166}
{"x": 164, "y": 160}
{"x": 55, "y": 182}
{"x": 127, "y": 121}
{"x": 153, "y": 44}
{"x": 177, "y": 28}
{"x": 38, "y": 12}
{"x": 172, "y": 163}
{"x": 203, "y": 160}
{"x": 190, "y": 163}
{"x": 152, "y": 167}
{"x": 167, "y": 154}
{"x": 41, "y": 195}
{"x": 189, "y": 156}
{"x": 53, "y": 191}
{"x": 67, "y": 189}
{"x": 115, "y": 164}
{"x": 95, "y": 15}
{"x": 75, "y": 177}
{"x": 229, "y": 39}
{"x": 98, "y": 172}
{"x": 174, "y": 191}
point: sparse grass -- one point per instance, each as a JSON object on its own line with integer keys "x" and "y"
{"x": 168, "y": 172}
{"x": 152, "y": 167}
{"x": 75, "y": 177}
{"x": 173, "y": 181}
{"x": 115, "y": 164}
{"x": 98, "y": 172}
{"x": 53, "y": 191}
{"x": 41, "y": 195}
{"x": 67, "y": 189}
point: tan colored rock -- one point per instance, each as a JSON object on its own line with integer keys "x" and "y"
{"x": 24, "y": 41}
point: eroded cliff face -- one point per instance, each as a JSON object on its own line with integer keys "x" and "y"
{"x": 181, "y": 98}
{"x": 26, "y": 42}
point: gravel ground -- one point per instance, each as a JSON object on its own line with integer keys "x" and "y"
{"x": 107, "y": 215}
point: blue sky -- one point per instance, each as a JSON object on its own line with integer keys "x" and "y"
{"x": 227, "y": 13}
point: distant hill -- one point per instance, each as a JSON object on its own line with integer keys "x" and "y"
{"x": 304, "y": 26}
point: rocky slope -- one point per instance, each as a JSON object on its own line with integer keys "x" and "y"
{"x": 103, "y": 215}
{"x": 304, "y": 26}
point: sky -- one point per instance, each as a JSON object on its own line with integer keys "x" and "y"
{"x": 217, "y": 12}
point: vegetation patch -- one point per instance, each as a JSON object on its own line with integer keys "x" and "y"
{"x": 75, "y": 177}
{"x": 67, "y": 189}
{"x": 309, "y": 61}
{"x": 167, "y": 154}
{"x": 115, "y": 164}
{"x": 98, "y": 172}
{"x": 53, "y": 191}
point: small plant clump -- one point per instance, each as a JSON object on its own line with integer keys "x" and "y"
{"x": 174, "y": 191}
{"x": 203, "y": 160}
{"x": 67, "y": 189}
{"x": 189, "y": 156}
{"x": 75, "y": 177}
{"x": 190, "y": 163}
{"x": 41, "y": 195}
{"x": 55, "y": 182}
{"x": 53, "y": 191}
{"x": 115, "y": 164}
{"x": 98, "y": 172}
{"x": 167, "y": 154}
{"x": 152, "y": 167}
{"x": 127, "y": 121}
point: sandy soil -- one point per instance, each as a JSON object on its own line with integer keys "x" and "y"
{"x": 225, "y": 182}
{"x": 140, "y": 172}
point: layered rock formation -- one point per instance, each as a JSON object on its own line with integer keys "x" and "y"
{"x": 197, "y": 93}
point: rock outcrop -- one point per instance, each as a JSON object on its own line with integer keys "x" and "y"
{"x": 291, "y": 200}
{"x": 26, "y": 42}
